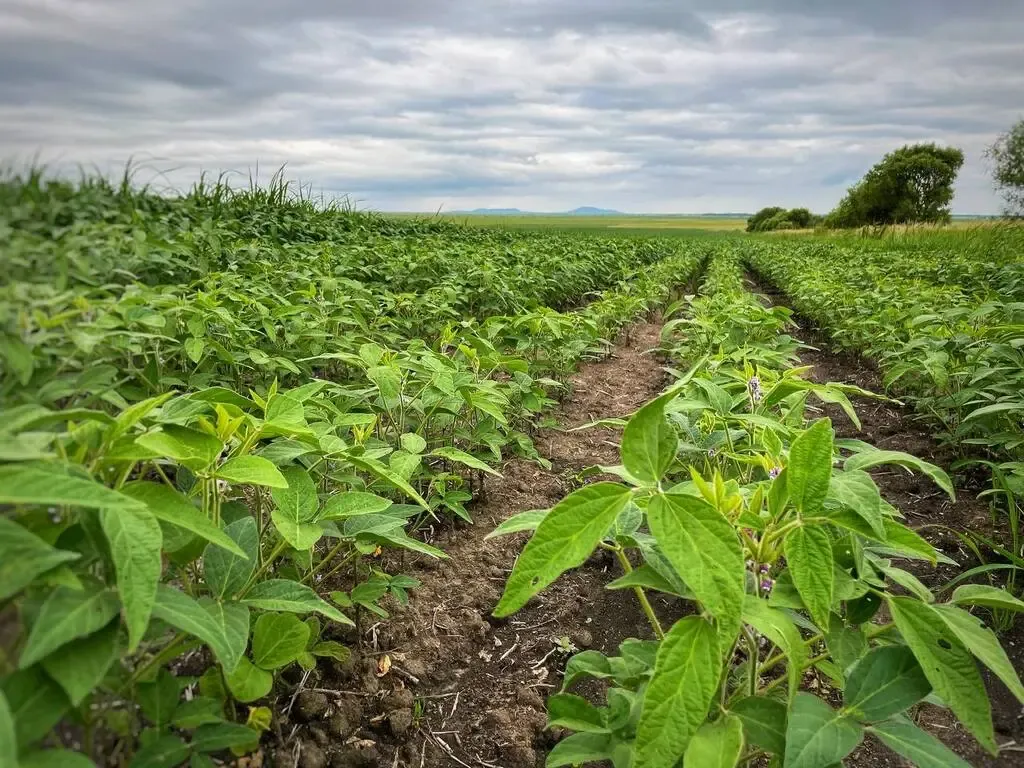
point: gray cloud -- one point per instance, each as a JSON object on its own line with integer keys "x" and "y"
{"x": 644, "y": 106}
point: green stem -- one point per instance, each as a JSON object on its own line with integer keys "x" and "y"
{"x": 641, "y": 596}
{"x": 324, "y": 561}
{"x": 263, "y": 568}
{"x": 752, "y": 658}
{"x": 810, "y": 663}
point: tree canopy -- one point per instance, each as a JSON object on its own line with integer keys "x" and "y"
{"x": 1007, "y": 158}
{"x": 910, "y": 185}
{"x": 773, "y": 218}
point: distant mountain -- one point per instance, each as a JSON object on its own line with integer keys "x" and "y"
{"x": 589, "y": 210}
{"x": 586, "y": 210}
{"x": 494, "y": 211}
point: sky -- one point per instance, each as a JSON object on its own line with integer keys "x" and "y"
{"x": 669, "y": 106}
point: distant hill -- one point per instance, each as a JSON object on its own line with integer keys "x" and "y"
{"x": 589, "y": 210}
{"x": 494, "y": 211}
{"x": 586, "y": 210}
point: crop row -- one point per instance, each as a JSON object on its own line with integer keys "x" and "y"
{"x": 218, "y": 465}
{"x": 735, "y": 501}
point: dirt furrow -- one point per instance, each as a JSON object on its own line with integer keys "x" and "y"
{"x": 463, "y": 688}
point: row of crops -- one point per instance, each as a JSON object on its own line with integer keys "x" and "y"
{"x": 218, "y": 410}
{"x": 737, "y": 499}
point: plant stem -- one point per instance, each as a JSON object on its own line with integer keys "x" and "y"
{"x": 644, "y": 602}
{"x": 324, "y": 561}
{"x": 263, "y": 568}
{"x": 752, "y": 658}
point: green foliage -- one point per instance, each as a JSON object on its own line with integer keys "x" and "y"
{"x": 783, "y": 546}
{"x": 909, "y": 185}
{"x": 1007, "y": 158}
{"x": 774, "y": 218}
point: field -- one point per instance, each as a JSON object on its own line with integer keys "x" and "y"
{"x": 291, "y": 485}
{"x": 605, "y": 224}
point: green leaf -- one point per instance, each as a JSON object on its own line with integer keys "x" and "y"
{"x": 277, "y": 640}
{"x": 298, "y": 500}
{"x": 45, "y": 486}
{"x": 564, "y": 539}
{"x": 54, "y": 758}
{"x": 214, "y": 737}
{"x": 412, "y": 443}
{"x": 381, "y": 472}
{"x": 716, "y": 745}
{"x": 196, "y": 450}
{"x": 82, "y": 664}
{"x": 226, "y": 572}
{"x": 857, "y": 491}
{"x": 922, "y": 749}
{"x": 198, "y": 711}
{"x": 764, "y": 722}
{"x": 353, "y": 503}
{"x": 947, "y": 664}
{"x": 983, "y": 643}
{"x": 649, "y": 442}
{"x": 8, "y": 741}
{"x": 135, "y": 541}
{"x": 817, "y": 735}
{"x": 778, "y": 627}
{"x": 812, "y": 566}
{"x": 36, "y": 704}
{"x": 194, "y": 348}
{"x": 647, "y": 577}
{"x": 886, "y": 681}
{"x": 908, "y": 542}
{"x": 846, "y": 644}
{"x": 248, "y": 682}
{"x": 703, "y": 547}
{"x": 461, "y": 457}
{"x": 990, "y": 597}
{"x": 581, "y": 748}
{"x": 23, "y": 556}
{"x": 523, "y": 521}
{"x": 165, "y": 752}
{"x": 159, "y": 698}
{"x": 566, "y": 710}
{"x": 875, "y": 458}
{"x": 253, "y": 470}
{"x": 67, "y": 615}
{"x": 810, "y": 466}
{"x": 677, "y": 700}
{"x": 592, "y": 663}
{"x": 290, "y": 596}
{"x": 331, "y": 649}
{"x": 218, "y": 625}
{"x": 170, "y": 506}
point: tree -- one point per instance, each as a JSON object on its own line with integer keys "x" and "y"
{"x": 774, "y": 217}
{"x": 1007, "y": 158}
{"x": 755, "y": 223}
{"x": 912, "y": 184}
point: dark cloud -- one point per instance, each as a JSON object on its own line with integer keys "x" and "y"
{"x": 659, "y": 105}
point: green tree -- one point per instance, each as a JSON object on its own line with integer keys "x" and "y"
{"x": 910, "y": 185}
{"x": 1007, "y": 158}
{"x": 756, "y": 222}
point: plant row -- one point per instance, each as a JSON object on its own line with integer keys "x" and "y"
{"x": 787, "y": 561}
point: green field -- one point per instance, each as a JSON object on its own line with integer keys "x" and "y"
{"x": 243, "y": 435}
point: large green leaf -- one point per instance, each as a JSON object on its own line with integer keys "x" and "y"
{"x": 290, "y": 596}
{"x": 677, "y": 700}
{"x": 982, "y": 642}
{"x": 947, "y": 664}
{"x": 247, "y": 682}
{"x": 226, "y": 572}
{"x": 564, "y": 539}
{"x": 817, "y": 735}
{"x": 36, "y": 704}
{"x": 170, "y": 506}
{"x": 764, "y": 722}
{"x": 857, "y": 490}
{"x": 812, "y": 566}
{"x": 703, "y": 547}
{"x": 54, "y": 758}
{"x": 166, "y": 751}
{"x": 523, "y": 521}
{"x": 352, "y": 504}
{"x": 461, "y": 457}
{"x": 778, "y": 627}
{"x": 218, "y": 625}
{"x": 82, "y": 664}
{"x": 49, "y": 486}
{"x": 278, "y": 639}
{"x": 251, "y": 470}
{"x": 213, "y": 737}
{"x": 990, "y": 597}
{"x": 23, "y": 556}
{"x": 649, "y": 442}
{"x": 159, "y": 698}
{"x": 381, "y": 472}
{"x": 135, "y": 541}
{"x": 876, "y": 458}
{"x": 296, "y": 509}
{"x": 716, "y": 745}
{"x": 8, "y": 740}
{"x": 886, "y": 681}
{"x": 922, "y": 749}
{"x": 810, "y": 466}
{"x": 192, "y": 448}
{"x": 67, "y": 615}
{"x": 580, "y": 748}
{"x": 566, "y": 710}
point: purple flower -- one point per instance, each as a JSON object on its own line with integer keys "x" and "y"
{"x": 765, "y": 568}
{"x": 774, "y": 472}
{"x": 711, "y": 453}
{"x": 766, "y": 586}
{"x": 754, "y": 387}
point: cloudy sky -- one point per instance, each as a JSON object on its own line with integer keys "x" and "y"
{"x": 640, "y": 105}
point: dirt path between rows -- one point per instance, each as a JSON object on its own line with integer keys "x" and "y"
{"x": 465, "y": 689}
{"x": 892, "y": 426}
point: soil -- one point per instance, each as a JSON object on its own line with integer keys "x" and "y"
{"x": 464, "y": 688}
{"x": 894, "y": 426}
